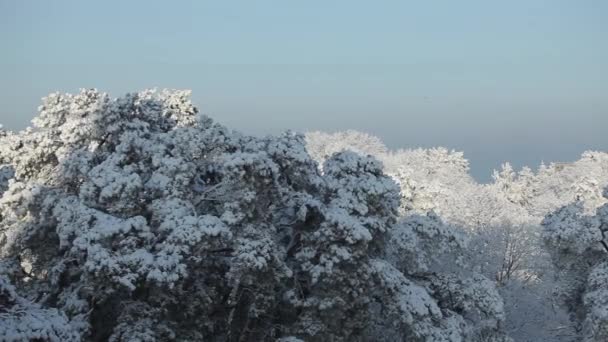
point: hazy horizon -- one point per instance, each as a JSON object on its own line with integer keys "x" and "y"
{"x": 522, "y": 82}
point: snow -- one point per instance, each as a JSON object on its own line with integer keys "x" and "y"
{"x": 136, "y": 218}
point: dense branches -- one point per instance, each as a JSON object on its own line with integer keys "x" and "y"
{"x": 138, "y": 219}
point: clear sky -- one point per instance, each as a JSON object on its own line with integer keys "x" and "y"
{"x": 520, "y": 81}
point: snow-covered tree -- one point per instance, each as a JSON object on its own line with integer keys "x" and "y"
{"x": 578, "y": 245}
{"x": 501, "y": 220}
{"x": 515, "y": 187}
{"x": 428, "y": 252}
{"x": 136, "y": 218}
{"x": 434, "y": 179}
{"x": 556, "y": 185}
{"x": 321, "y": 145}
{"x": 23, "y": 320}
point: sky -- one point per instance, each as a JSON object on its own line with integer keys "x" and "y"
{"x": 522, "y": 81}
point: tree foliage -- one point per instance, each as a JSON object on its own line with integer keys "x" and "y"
{"x": 502, "y": 223}
{"x": 579, "y": 249}
{"x": 136, "y": 218}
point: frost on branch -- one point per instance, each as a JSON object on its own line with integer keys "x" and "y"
{"x": 22, "y": 320}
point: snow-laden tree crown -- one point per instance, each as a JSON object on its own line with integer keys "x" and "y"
{"x": 578, "y": 243}
{"x": 517, "y": 234}
{"x": 137, "y": 219}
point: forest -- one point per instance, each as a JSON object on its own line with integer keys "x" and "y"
{"x": 138, "y": 218}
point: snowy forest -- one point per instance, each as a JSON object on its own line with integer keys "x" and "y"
{"x": 138, "y": 218}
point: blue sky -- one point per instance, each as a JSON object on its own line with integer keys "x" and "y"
{"x": 519, "y": 81}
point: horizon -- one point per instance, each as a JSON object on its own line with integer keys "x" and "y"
{"x": 522, "y": 82}
{"x": 481, "y": 179}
